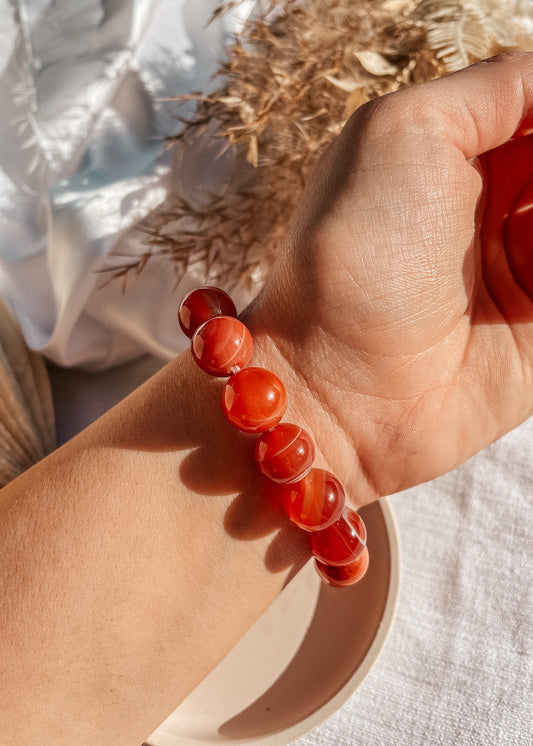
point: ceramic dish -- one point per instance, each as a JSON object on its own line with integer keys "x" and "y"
{"x": 300, "y": 661}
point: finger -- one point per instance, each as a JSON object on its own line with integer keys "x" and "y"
{"x": 476, "y": 109}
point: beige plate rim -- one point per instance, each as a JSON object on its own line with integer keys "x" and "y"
{"x": 298, "y": 729}
{"x": 354, "y": 682}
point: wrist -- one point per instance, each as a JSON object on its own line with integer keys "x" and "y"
{"x": 209, "y": 469}
{"x": 312, "y": 402}
{"x": 254, "y": 401}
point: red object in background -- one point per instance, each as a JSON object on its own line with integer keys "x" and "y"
{"x": 506, "y": 230}
{"x": 518, "y": 225}
{"x": 203, "y": 304}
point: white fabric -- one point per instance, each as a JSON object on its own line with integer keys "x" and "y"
{"x": 82, "y": 159}
{"x": 457, "y": 668}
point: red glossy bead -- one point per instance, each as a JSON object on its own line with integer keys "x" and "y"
{"x": 222, "y": 346}
{"x": 254, "y": 400}
{"x": 285, "y": 453}
{"x": 343, "y": 575}
{"x": 203, "y": 304}
{"x": 342, "y": 542}
{"x": 315, "y": 502}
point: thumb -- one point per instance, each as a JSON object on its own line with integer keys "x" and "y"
{"x": 482, "y": 106}
{"x": 475, "y": 110}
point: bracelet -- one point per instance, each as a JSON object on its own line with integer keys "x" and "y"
{"x": 254, "y": 401}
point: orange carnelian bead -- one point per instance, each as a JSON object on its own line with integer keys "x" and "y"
{"x": 342, "y": 542}
{"x": 315, "y": 502}
{"x": 343, "y": 575}
{"x": 254, "y": 400}
{"x": 285, "y": 453}
{"x": 203, "y": 304}
{"x": 222, "y": 346}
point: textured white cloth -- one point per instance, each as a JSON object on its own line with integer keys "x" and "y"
{"x": 457, "y": 668}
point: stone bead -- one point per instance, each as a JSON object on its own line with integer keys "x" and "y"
{"x": 254, "y": 400}
{"x": 517, "y": 231}
{"x": 203, "y": 304}
{"x": 343, "y": 575}
{"x": 342, "y": 542}
{"x": 222, "y": 346}
{"x": 315, "y": 502}
{"x": 285, "y": 453}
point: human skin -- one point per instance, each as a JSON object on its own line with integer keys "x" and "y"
{"x": 136, "y": 555}
{"x": 402, "y": 316}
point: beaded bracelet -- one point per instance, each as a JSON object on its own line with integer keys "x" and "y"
{"x": 254, "y": 401}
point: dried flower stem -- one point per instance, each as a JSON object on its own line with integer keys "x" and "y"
{"x": 290, "y": 81}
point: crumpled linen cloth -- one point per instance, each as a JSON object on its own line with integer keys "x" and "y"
{"x": 83, "y": 159}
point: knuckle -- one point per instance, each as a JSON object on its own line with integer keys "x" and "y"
{"x": 396, "y": 115}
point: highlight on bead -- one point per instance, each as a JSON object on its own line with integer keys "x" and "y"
{"x": 315, "y": 502}
{"x": 285, "y": 453}
{"x": 202, "y": 304}
{"x": 254, "y": 400}
{"x": 342, "y": 542}
{"x": 222, "y": 346}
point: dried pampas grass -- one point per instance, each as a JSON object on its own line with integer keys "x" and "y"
{"x": 27, "y": 429}
{"x": 290, "y": 81}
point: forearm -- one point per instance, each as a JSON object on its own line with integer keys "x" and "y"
{"x": 125, "y": 556}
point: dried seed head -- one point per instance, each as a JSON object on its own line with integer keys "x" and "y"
{"x": 291, "y": 79}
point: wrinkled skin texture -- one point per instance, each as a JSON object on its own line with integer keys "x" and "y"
{"x": 397, "y": 306}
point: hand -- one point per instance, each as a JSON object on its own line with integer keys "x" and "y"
{"x": 402, "y": 303}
